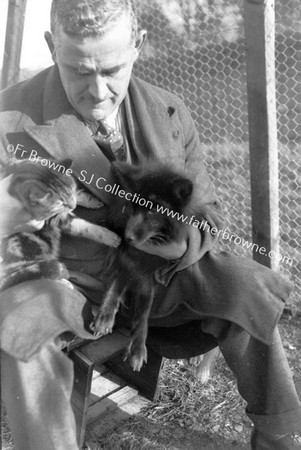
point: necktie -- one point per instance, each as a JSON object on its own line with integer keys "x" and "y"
{"x": 110, "y": 141}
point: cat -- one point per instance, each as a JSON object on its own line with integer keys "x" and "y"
{"x": 49, "y": 197}
{"x": 131, "y": 272}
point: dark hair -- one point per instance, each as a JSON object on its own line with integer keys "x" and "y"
{"x": 90, "y": 17}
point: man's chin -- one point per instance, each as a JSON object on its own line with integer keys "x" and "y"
{"x": 96, "y": 115}
{"x": 92, "y": 116}
{"x": 91, "y": 113}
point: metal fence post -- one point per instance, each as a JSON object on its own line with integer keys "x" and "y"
{"x": 13, "y": 42}
{"x": 259, "y": 18}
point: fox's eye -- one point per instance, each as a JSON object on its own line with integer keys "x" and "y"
{"x": 151, "y": 212}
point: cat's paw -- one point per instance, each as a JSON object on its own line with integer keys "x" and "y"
{"x": 88, "y": 200}
{"x": 110, "y": 238}
{"x": 136, "y": 355}
{"x": 30, "y": 226}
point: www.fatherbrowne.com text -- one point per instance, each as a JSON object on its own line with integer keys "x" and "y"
{"x": 101, "y": 184}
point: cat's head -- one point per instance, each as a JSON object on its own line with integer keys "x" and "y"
{"x": 42, "y": 191}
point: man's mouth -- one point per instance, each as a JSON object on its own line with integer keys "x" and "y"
{"x": 98, "y": 103}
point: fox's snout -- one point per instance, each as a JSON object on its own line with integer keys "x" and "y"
{"x": 139, "y": 229}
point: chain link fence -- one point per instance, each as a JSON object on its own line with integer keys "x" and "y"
{"x": 196, "y": 49}
{"x": 288, "y": 98}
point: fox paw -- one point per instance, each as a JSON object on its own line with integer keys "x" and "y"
{"x": 103, "y": 324}
{"x": 136, "y": 355}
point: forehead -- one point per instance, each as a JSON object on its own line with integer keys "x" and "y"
{"x": 114, "y": 46}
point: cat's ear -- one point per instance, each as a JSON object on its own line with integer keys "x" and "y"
{"x": 10, "y": 166}
{"x": 67, "y": 163}
{"x": 39, "y": 197}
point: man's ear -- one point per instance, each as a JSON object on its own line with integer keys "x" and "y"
{"x": 50, "y": 43}
{"x": 140, "y": 41}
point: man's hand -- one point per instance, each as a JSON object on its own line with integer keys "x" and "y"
{"x": 170, "y": 251}
{"x": 13, "y": 216}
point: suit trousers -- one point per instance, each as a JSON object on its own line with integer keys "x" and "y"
{"x": 37, "y": 393}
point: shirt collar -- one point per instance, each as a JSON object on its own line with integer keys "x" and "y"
{"x": 111, "y": 120}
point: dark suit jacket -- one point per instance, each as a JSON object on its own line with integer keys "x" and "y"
{"x": 36, "y": 118}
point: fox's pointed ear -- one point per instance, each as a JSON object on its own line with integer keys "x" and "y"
{"x": 67, "y": 163}
{"x": 124, "y": 174}
{"x": 182, "y": 190}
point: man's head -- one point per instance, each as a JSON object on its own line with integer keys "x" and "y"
{"x": 94, "y": 44}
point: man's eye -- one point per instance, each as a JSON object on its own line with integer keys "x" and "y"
{"x": 82, "y": 72}
{"x": 111, "y": 73}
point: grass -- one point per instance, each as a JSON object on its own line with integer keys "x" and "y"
{"x": 6, "y": 438}
{"x": 189, "y": 415}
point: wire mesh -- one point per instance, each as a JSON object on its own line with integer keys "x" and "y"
{"x": 196, "y": 49}
{"x": 288, "y": 101}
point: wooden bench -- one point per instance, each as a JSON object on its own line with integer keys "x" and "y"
{"x": 175, "y": 343}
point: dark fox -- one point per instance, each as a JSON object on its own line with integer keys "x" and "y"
{"x": 131, "y": 271}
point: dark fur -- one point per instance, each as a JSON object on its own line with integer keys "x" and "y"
{"x": 49, "y": 196}
{"x": 131, "y": 272}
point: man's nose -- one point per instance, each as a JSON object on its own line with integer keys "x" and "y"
{"x": 98, "y": 87}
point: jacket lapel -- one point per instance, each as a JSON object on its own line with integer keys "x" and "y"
{"x": 153, "y": 125}
{"x": 64, "y": 135}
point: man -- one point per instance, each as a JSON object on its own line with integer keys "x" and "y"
{"x": 56, "y": 114}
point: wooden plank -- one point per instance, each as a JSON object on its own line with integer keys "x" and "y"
{"x": 102, "y": 349}
{"x": 114, "y": 417}
{"x": 111, "y": 402}
{"x": 13, "y": 42}
{"x": 110, "y": 393}
{"x": 259, "y": 23}
{"x": 75, "y": 343}
{"x": 83, "y": 369}
{"x": 80, "y": 401}
{"x": 85, "y": 358}
{"x": 78, "y": 417}
{"x": 146, "y": 380}
{"x": 104, "y": 385}
{"x": 98, "y": 370}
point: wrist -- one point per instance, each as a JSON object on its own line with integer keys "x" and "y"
{"x": 170, "y": 251}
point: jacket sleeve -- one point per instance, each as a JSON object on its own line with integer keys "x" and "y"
{"x": 206, "y": 218}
